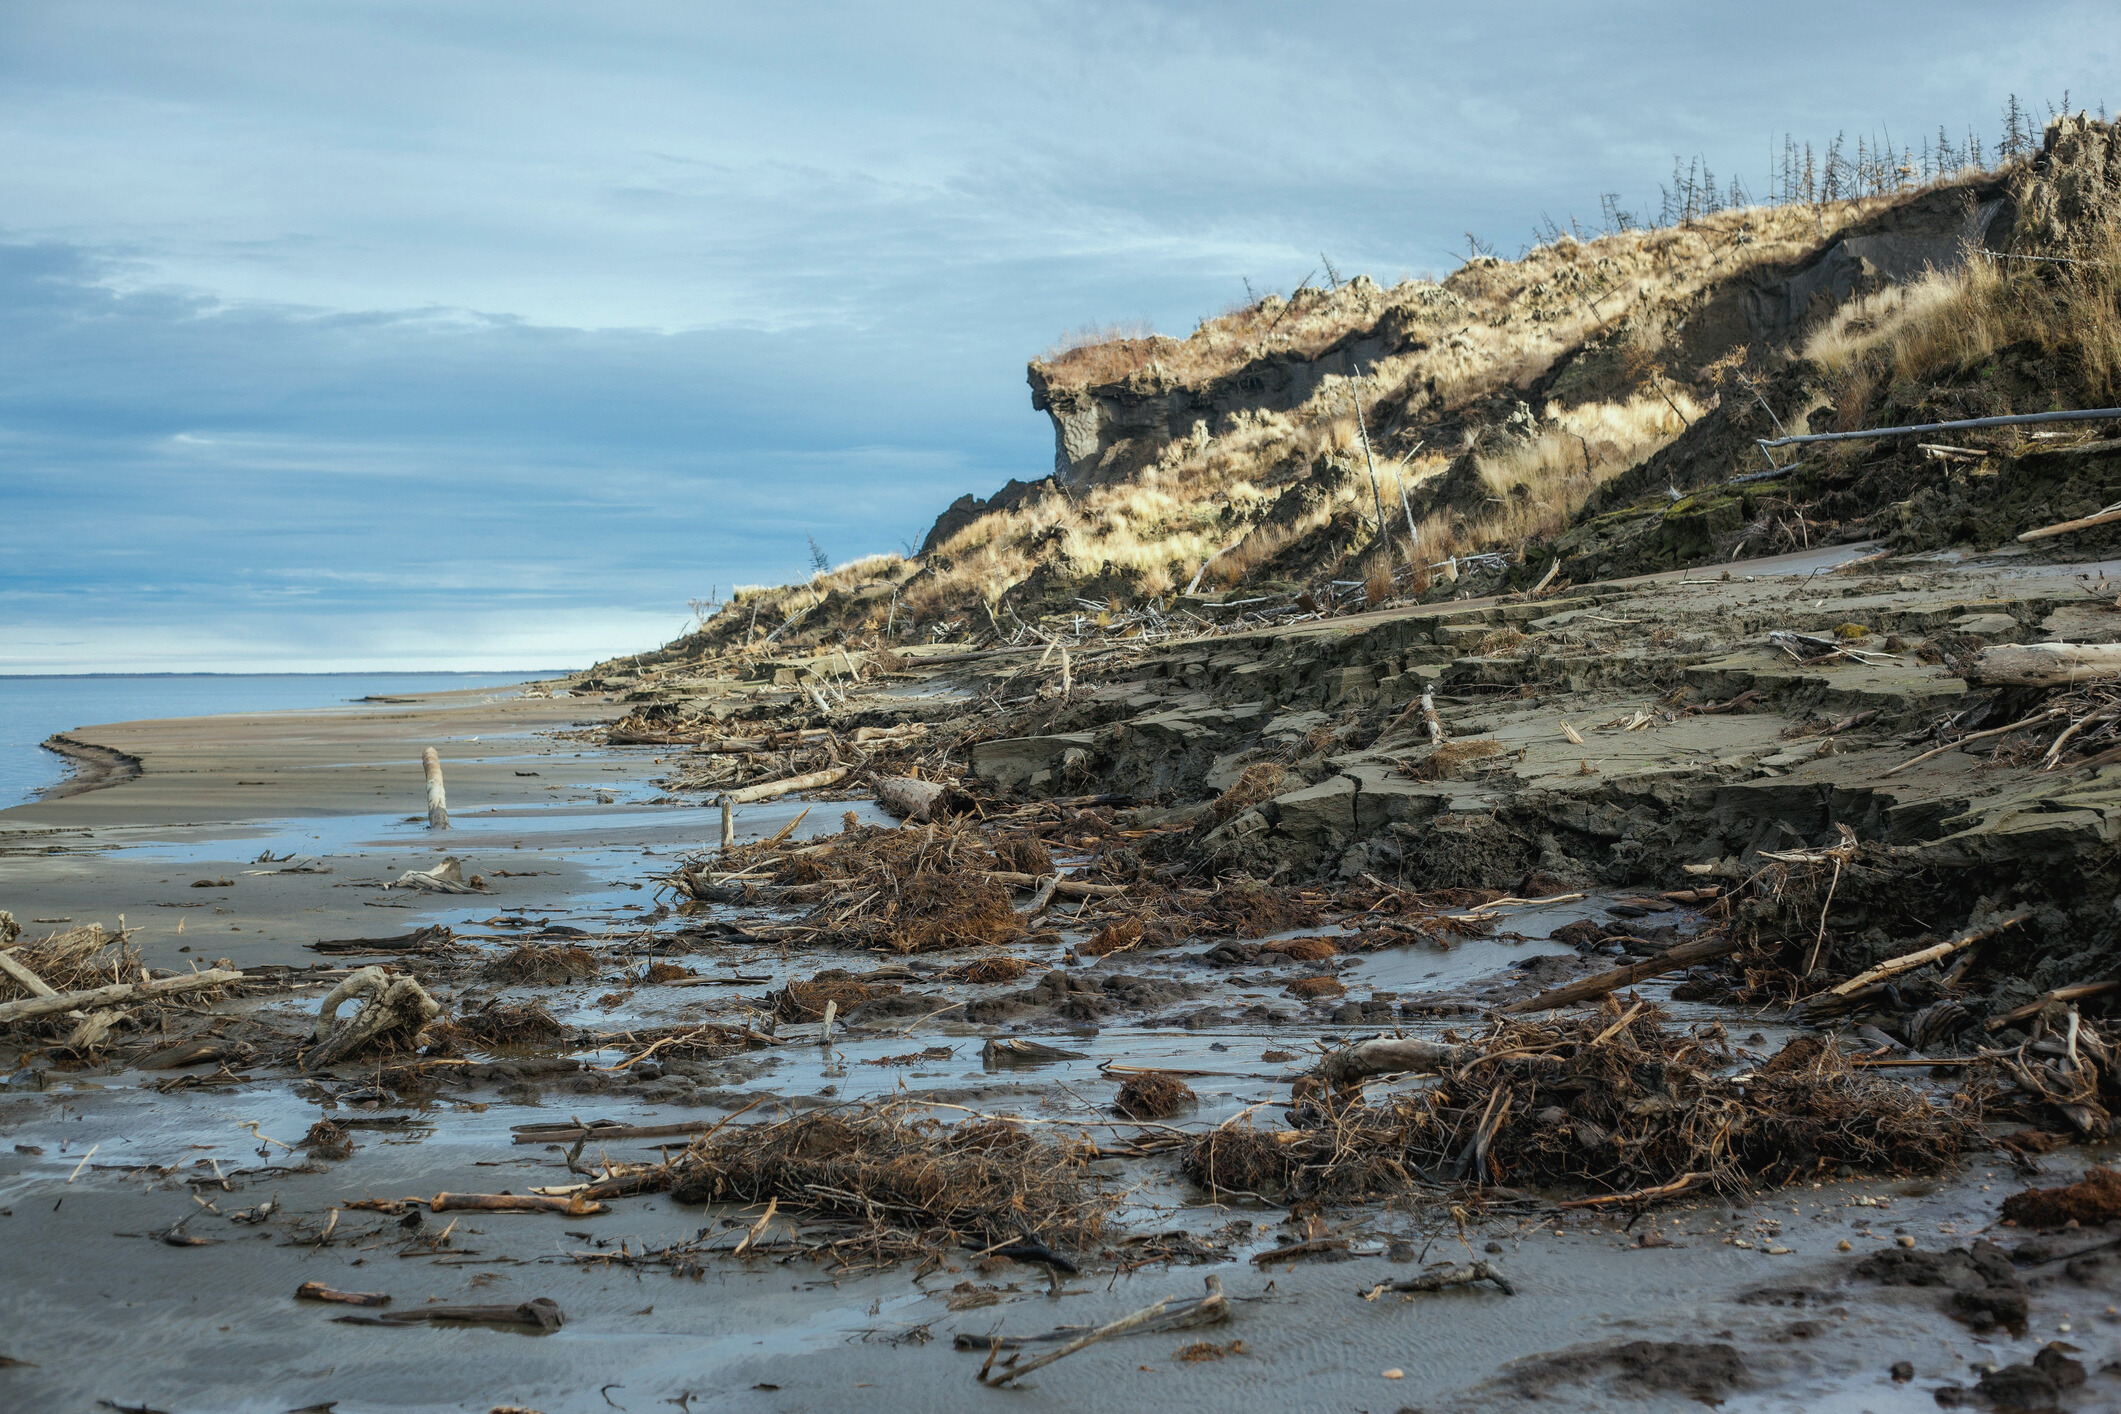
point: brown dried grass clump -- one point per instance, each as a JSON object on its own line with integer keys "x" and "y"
{"x": 2091, "y": 1200}
{"x": 1245, "y": 909}
{"x": 543, "y": 963}
{"x": 500, "y": 1023}
{"x": 989, "y": 970}
{"x": 914, "y": 890}
{"x": 75, "y": 960}
{"x": 1153, "y": 1095}
{"x": 1447, "y": 760}
{"x": 1260, "y": 782}
{"x": 656, "y": 973}
{"x": 1303, "y": 949}
{"x": 806, "y": 1000}
{"x": 1024, "y": 854}
{"x": 1800, "y": 1053}
{"x": 895, "y": 1167}
{"x": 938, "y": 911}
{"x": 1112, "y": 938}
{"x": 1536, "y": 1103}
{"x": 1314, "y": 988}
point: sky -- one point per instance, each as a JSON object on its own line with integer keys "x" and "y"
{"x": 375, "y": 336}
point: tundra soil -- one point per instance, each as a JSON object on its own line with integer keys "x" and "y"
{"x": 142, "y": 1272}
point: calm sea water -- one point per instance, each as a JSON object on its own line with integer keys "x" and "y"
{"x": 32, "y": 708}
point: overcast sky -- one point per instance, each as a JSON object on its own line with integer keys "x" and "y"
{"x": 486, "y": 335}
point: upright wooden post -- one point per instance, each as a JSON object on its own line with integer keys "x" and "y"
{"x": 437, "y": 801}
{"x": 728, "y": 824}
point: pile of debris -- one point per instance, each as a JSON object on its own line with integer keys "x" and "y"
{"x": 913, "y": 1181}
{"x": 1616, "y": 1103}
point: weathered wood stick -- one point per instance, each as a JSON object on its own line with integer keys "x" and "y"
{"x": 1907, "y": 962}
{"x": 574, "y": 1206}
{"x": 37, "y": 985}
{"x": 58, "y": 1002}
{"x": 1067, "y": 888}
{"x": 789, "y": 785}
{"x": 537, "y": 1135}
{"x": 2046, "y": 664}
{"x": 2061, "y": 994}
{"x": 2018, "y": 726}
{"x": 728, "y": 823}
{"x": 437, "y": 800}
{"x": 1040, "y": 899}
{"x": 318, "y": 1291}
{"x": 1448, "y": 1276}
{"x": 1685, "y": 955}
{"x": 1639, "y": 1195}
{"x": 2105, "y": 517}
{"x": 1147, "y": 1316}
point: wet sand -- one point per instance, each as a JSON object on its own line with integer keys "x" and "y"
{"x": 92, "y": 1165}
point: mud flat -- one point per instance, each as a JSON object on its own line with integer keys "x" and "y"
{"x": 834, "y": 1116}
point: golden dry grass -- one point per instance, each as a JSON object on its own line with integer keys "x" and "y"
{"x": 1492, "y": 328}
{"x": 1950, "y": 323}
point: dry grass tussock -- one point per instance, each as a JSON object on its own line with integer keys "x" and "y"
{"x": 75, "y": 960}
{"x": 1513, "y": 315}
{"x": 1949, "y": 324}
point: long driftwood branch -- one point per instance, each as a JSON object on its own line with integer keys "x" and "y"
{"x": 789, "y": 785}
{"x": 1685, "y": 955}
{"x": 2046, "y": 664}
{"x": 1907, "y": 962}
{"x": 60, "y": 1002}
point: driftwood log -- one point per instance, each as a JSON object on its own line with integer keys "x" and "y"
{"x": 437, "y": 799}
{"x": 1922, "y": 957}
{"x": 59, "y": 1002}
{"x": 789, "y": 785}
{"x": 2046, "y": 664}
{"x": 397, "y": 1008}
{"x": 1685, "y": 955}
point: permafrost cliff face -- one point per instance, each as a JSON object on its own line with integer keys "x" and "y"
{"x": 1110, "y": 432}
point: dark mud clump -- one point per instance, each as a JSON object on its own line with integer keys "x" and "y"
{"x": 1800, "y": 1054}
{"x": 1705, "y": 1372}
{"x": 2033, "y": 1387}
{"x": 544, "y": 964}
{"x": 1985, "y": 1289}
{"x": 2091, "y": 1200}
{"x": 1154, "y": 1095}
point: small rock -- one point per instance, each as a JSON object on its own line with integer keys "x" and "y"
{"x": 1903, "y": 1371}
